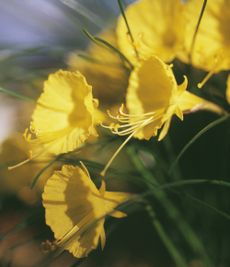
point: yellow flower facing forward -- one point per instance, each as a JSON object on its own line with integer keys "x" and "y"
{"x": 75, "y": 209}
{"x": 65, "y": 115}
{"x": 153, "y": 98}
{"x": 211, "y": 51}
{"x": 157, "y": 28}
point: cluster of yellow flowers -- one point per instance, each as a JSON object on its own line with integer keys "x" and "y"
{"x": 132, "y": 65}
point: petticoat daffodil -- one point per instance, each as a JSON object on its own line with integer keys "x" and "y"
{"x": 153, "y": 98}
{"x": 157, "y": 28}
{"x": 65, "y": 114}
{"x": 211, "y": 51}
{"x": 75, "y": 209}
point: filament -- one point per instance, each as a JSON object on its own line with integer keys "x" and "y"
{"x": 206, "y": 78}
{"x": 132, "y": 133}
{"x": 19, "y": 164}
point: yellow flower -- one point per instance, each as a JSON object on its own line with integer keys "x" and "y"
{"x": 157, "y": 28}
{"x": 211, "y": 50}
{"x": 65, "y": 115}
{"x": 18, "y": 181}
{"x": 75, "y": 209}
{"x": 153, "y": 98}
{"x": 104, "y": 70}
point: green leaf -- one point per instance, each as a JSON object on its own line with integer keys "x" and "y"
{"x": 104, "y": 43}
{"x": 185, "y": 229}
{"x": 120, "y": 4}
{"x": 197, "y": 136}
{"x": 178, "y": 258}
{"x": 205, "y": 204}
{"x": 195, "y": 182}
{"x": 39, "y": 174}
{"x": 17, "y": 95}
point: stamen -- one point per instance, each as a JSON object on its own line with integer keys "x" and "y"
{"x": 217, "y": 60}
{"x": 116, "y": 153}
{"x": 75, "y": 231}
{"x": 30, "y": 158}
{"x": 206, "y": 78}
{"x": 146, "y": 122}
{"x": 19, "y": 164}
{"x": 125, "y": 117}
{"x": 68, "y": 236}
{"x": 128, "y": 130}
{"x": 131, "y": 124}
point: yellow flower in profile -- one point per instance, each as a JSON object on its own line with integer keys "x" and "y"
{"x": 75, "y": 209}
{"x": 211, "y": 51}
{"x": 65, "y": 114}
{"x": 104, "y": 70}
{"x": 157, "y": 28}
{"x": 18, "y": 181}
{"x": 153, "y": 98}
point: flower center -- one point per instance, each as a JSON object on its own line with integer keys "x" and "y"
{"x": 132, "y": 123}
{"x": 129, "y": 124}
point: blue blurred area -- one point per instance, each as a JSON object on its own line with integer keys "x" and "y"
{"x": 37, "y": 23}
{"x": 36, "y": 35}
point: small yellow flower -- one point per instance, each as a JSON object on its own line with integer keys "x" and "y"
{"x": 65, "y": 114}
{"x": 153, "y": 98}
{"x": 211, "y": 51}
{"x": 75, "y": 209}
{"x": 104, "y": 70}
{"x": 157, "y": 28}
{"x": 18, "y": 181}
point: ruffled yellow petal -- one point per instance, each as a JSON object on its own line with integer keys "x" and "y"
{"x": 64, "y": 117}
{"x": 72, "y": 202}
{"x": 212, "y": 45}
{"x": 157, "y": 28}
{"x": 88, "y": 240}
{"x": 151, "y": 87}
{"x": 105, "y": 71}
{"x": 153, "y": 98}
{"x": 114, "y": 199}
{"x": 165, "y": 129}
{"x": 189, "y": 102}
{"x": 75, "y": 209}
{"x": 103, "y": 238}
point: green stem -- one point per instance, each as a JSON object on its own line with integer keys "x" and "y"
{"x": 104, "y": 43}
{"x": 196, "y": 30}
{"x": 194, "y": 182}
{"x": 128, "y": 27}
{"x": 205, "y": 204}
{"x": 178, "y": 259}
{"x": 197, "y": 136}
{"x": 185, "y": 229}
{"x": 16, "y": 95}
{"x": 171, "y": 156}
